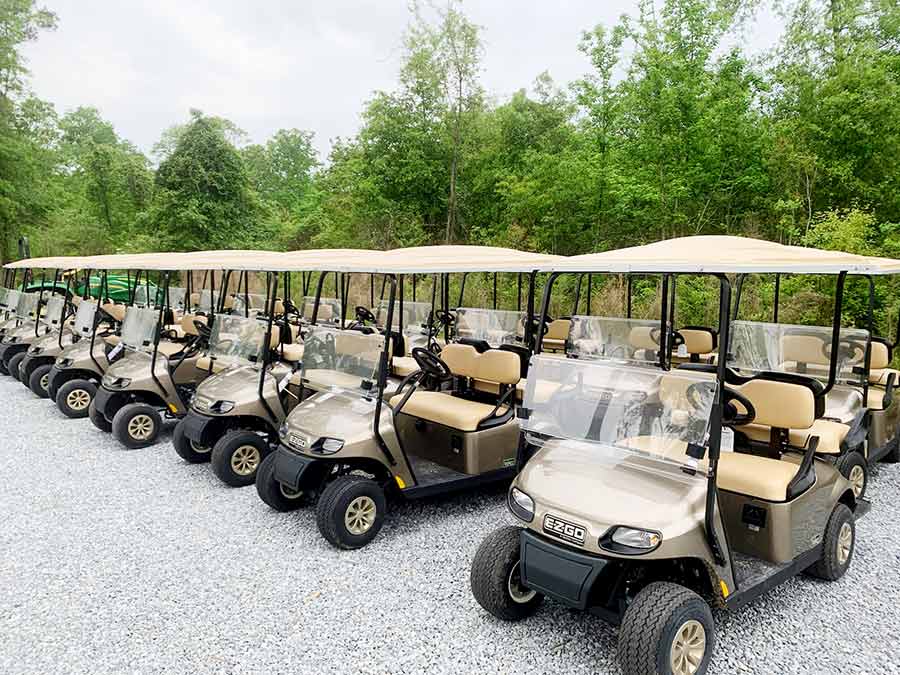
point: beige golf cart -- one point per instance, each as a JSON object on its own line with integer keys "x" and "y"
{"x": 633, "y": 500}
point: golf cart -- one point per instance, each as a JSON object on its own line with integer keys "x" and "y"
{"x": 363, "y": 437}
{"x": 35, "y": 367}
{"x": 635, "y": 501}
{"x": 15, "y": 343}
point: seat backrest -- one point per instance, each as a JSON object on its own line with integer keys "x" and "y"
{"x": 879, "y": 359}
{"x": 187, "y": 323}
{"x": 698, "y": 339}
{"x": 496, "y": 367}
{"x": 778, "y": 403}
{"x": 644, "y": 337}
{"x": 117, "y": 312}
{"x": 558, "y": 329}
{"x": 460, "y": 359}
{"x": 804, "y": 349}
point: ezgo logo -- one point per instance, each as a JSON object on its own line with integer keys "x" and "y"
{"x": 564, "y": 530}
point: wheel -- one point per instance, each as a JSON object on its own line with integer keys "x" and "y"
{"x": 496, "y": 579}
{"x": 38, "y": 381}
{"x": 237, "y": 455}
{"x": 667, "y": 629}
{"x": 97, "y": 419}
{"x": 74, "y": 398}
{"x": 853, "y": 467}
{"x": 837, "y": 545}
{"x": 3, "y": 369}
{"x": 136, "y": 425}
{"x": 351, "y": 511}
{"x": 13, "y": 364}
{"x": 893, "y": 455}
{"x": 275, "y": 494}
{"x": 188, "y": 450}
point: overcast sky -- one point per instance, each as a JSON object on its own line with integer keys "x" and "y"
{"x": 309, "y": 64}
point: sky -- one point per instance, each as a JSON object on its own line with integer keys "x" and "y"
{"x": 273, "y": 64}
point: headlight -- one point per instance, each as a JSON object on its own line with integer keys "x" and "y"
{"x": 282, "y": 430}
{"x": 630, "y": 541}
{"x": 521, "y": 505}
{"x": 221, "y": 407}
{"x": 12, "y": 339}
{"x": 35, "y": 350}
{"x": 64, "y": 362}
{"x": 327, "y": 446}
{"x": 113, "y": 382}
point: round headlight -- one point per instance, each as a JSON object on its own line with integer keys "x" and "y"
{"x": 521, "y": 505}
{"x": 222, "y": 407}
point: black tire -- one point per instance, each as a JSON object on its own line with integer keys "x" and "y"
{"x": 652, "y": 623}
{"x": 3, "y": 369}
{"x": 70, "y": 398}
{"x": 13, "y": 364}
{"x": 495, "y": 577}
{"x": 835, "y": 557}
{"x": 136, "y": 425}
{"x": 854, "y": 468}
{"x": 237, "y": 455}
{"x": 274, "y": 493}
{"x": 893, "y": 455}
{"x": 186, "y": 448}
{"x": 97, "y": 419}
{"x": 37, "y": 382}
{"x": 368, "y": 502}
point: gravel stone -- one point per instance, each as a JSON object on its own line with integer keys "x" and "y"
{"x": 115, "y": 560}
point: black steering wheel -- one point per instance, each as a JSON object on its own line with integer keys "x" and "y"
{"x": 203, "y": 329}
{"x": 677, "y": 339}
{"x": 431, "y": 364}
{"x": 364, "y": 314}
{"x": 445, "y": 318}
{"x": 731, "y": 414}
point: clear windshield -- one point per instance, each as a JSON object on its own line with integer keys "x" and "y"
{"x": 53, "y": 311}
{"x": 207, "y": 299}
{"x": 651, "y": 413}
{"x": 26, "y": 308}
{"x": 257, "y": 303}
{"x": 139, "y": 327}
{"x": 341, "y": 359}
{"x": 496, "y": 327}
{"x": 12, "y": 299}
{"x": 141, "y": 298}
{"x": 3, "y": 294}
{"x": 177, "y": 296}
{"x": 757, "y": 346}
{"x": 415, "y": 315}
{"x": 237, "y": 339}
{"x": 329, "y": 310}
{"x": 84, "y": 317}
{"x": 624, "y": 340}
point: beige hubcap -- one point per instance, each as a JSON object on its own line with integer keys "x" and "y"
{"x": 517, "y": 591}
{"x": 140, "y": 428}
{"x": 688, "y": 648}
{"x": 360, "y": 515}
{"x": 78, "y": 399}
{"x": 845, "y": 544}
{"x": 857, "y": 480}
{"x": 201, "y": 449}
{"x": 288, "y": 493}
{"x": 45, "y": 380}
{"x": 244, "y": 460}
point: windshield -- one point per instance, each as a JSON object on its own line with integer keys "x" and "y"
{"x": 236, "y": 338}
{"x": 3, "y": 293}
{"x": 494, "y": 326}
{"x": 415, "y": 315}
{"x": 207, "y": 299}
{"x": 784, "y": 348}
{"x": 257, "y": 303}
{"x": 625, "y": 340}
{"x": 140, "y": 296}
{"x": 341, "y": 359}
{"x": 329, "y": 310}
{"x": 651, "y": 413}
{"x": 177, "y": 296}
{"x": 26, "y": 308}
{"x": 12, "y": 299}
{"x": 84, "y": 317}
{"x": 53, "y": 310}
{"x": 139, "y": 327}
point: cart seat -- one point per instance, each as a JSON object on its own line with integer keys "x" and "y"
{"x": 324, "y": 378}
{"x": 831, "y": 434}
{"x": 116, "y": 311}
{"x": 292, "y": 353}
{"x": 699, "y": 342}
{"x": 169, "y": 349}
{"x": 754, "y": 476}
{"x": 204, "y": 362}
{"x": 404, "y": 365}
{"x": 556, "y": 336}
{"x": 446, "y": 409}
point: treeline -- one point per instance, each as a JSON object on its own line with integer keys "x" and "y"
{"x": 675, "y": 130}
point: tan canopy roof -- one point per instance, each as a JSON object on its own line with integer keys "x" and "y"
{"x": 715, "y": 253}
{"x": 452, "y": 258}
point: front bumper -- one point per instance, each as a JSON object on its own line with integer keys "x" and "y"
{"x": 102, "y": 400}
{"x": 558, "y": 572}
{"x": 54, "y": 381}
{"x": 199, "y": 428}
{"x": 291, "y": 468}
{"x": 10, "y": 350}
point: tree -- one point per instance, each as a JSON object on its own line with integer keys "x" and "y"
{"x": 281, "y": 171}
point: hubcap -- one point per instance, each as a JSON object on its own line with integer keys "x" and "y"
{"x": 360, "y": 515}
{"x": 857, "y": 479}
{"x": 245, "y": 460}
{"x": 78, "y": 399}
{"x": 845, "y": 543}
{"x": 688, "y": 648}
{"x": 140, "y": 428}
{"x": 288, "y": 493}
{"x": 45, "y": 380}
{"x": 517, "y": 591}
{"x": 201, "y": 449}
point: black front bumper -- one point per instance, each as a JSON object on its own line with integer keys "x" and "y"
{"x": 102, "y": 401}
{"x": 559, "y": 572}
{"x": 8, "y": 351}
{"x": 291, "y": 468}
{"x": 199, "y": 428}
{"x": 55, "y": 380}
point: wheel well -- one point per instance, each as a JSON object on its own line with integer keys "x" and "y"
{"x": 77, "y": 374}
{"x": 121, "y": 399}
{"x": 849, "y": 499}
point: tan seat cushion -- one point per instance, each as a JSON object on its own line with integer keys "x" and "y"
{"x": 876, "y": 398}
{"x": 217, "y": 366}
{"x": 880, "y": 377}
{"x": 754, "y": 476}
{"x": 831, "y": 435}
{"x": 404, "y": 365}
{"x": 112, "y": 340}
{"x": 697, "y": 341}
{"x": 117, "y": 312}
{"x": 442, "y": 408}
{"x": 292, "y": 352}
{"x": 324, "y": 378}
{"x": 170, "y": 348}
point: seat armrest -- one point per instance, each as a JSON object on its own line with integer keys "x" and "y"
{"x": 805, "y": 475}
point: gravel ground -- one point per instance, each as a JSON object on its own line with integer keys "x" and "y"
{"x": 117, "y": 561}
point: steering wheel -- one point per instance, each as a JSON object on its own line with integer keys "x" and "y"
{"x": 444, "y": 317}
{"x": 731, "y": 414}
{"x": 855, "y": 350}
{"x": 697, "y": 392}
{"x": 203, "y": 328}
{"x": 364, "y": 314}
{"x": 431, "y": 364}
{"x": 677, "y": 339}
